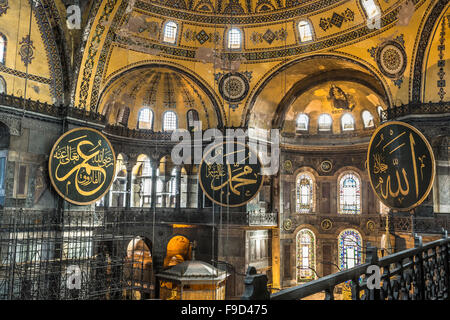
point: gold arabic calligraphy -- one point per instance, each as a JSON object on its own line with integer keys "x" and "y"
{"x": 89, "y": 174}
{"x": 387, "y": 146}
{"x": 234, "y": 173}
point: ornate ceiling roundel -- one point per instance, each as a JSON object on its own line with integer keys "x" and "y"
{"x": 233, "y": 87}
{"x": 391, "y": 59}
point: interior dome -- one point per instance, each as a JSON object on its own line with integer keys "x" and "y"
{"x": 160, "y": 90}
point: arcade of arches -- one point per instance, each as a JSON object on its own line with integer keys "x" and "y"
{"x": 321, "y": 72}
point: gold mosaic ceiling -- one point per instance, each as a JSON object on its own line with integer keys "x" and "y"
{"x": 232, "y": 7}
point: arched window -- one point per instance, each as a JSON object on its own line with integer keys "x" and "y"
{"x": 170, "y": 32}
{"x": 325, "y": 122}
{"x": 192, "y": 120}
{"x": 350, "y": 249}
{"x": 302, "y": 122}
{"x": 145, "y": 119}
{"x": 234, "y": 38}
{"x": 349, "y": 194}
{"x": 305, "y": 31}
{"x": 367, "y": 119}
{"x": 169, "y": 121}
{"x": 306, "y": 260}
{"x": 2, "y": 85}
{"x": 370, "y": 8}
{"x": 348, "y": 123}
{"x": 2, "y": 48}
{"x": 305, "y": 193}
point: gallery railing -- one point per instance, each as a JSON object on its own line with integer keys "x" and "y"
{"x": 234, "y": 216}
{"x": 415, "y": 108}
{"x": 420, "y": 273}
{"x": 49, "y": 109}
{"x": 398, "y": 223}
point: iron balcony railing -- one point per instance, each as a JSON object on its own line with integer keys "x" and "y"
{"x": 234, "y": 216}
{"x": 415, "y": 108}
{"x": 420, "y": 273}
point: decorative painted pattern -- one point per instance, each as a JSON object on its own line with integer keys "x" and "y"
{"x": 391, "y": 59}
{"x": 92, "y": 52}
{"x": 416, "y": 84}
{"x": 269, "y": 36}
{"x": 336, "y": 19}
{"x": 4, "y": 6}
{"x": 104, "y": 54}
{"x": 340, "y": 39}
{"x": 26, "y": 50}
{"x": 24, "y": 75}
{"x": 226, "y": 19}
{"x": 441, "y": 62}
{"x": 53, "y": 57}
{"x": 202, "y": 36}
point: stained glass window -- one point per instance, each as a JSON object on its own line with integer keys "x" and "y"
{"x": 302, "y": 122}
{"x": 304, "y": 193}
{"x": 170, "y": 32}
{"x": 306, "y": 263}
{"x": 367, "y": 119}
{"x": 325, "y": 122}
{"x": 349, "y": 194}
{"x": 371, "y": 9}
{"x": 347, "y": 122}
{"x": 305, "y": 31}
{"x": 169, "y": 121}
{"x": 350, "y": 249}
{"x": 234, "y": 38}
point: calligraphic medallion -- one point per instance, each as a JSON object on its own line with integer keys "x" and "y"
{"x": 82, "y": 166}
{"x": 230, "y": 174}
{"x": 326, "y": 224}
{"x": 401, "y": 165}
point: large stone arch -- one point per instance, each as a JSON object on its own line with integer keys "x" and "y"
{"x": 209, "y": 92}
{"x": 301, "y": 74}
{"x": 429, "y": 28}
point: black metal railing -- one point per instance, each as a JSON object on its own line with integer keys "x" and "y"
{"x": 50, "y": 109}
{"x": 235, "y": 216}
{"x": 420, "y": 273}
{"x": 415, "y": 108}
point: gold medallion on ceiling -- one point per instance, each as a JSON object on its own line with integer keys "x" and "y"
{"x": 233, "y": 87}
{"x": 326, "y": 166}
{"x": 287, "y": 224}
{"x": 287, "y": 166}
{"x": 370, "y": 225}
{"x": 326, "y": 224}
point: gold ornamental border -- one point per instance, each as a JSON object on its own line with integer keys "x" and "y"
{"x": 51, "y": 155}
{"x": 201, "y": 183}
{"x": 433, "y": 169}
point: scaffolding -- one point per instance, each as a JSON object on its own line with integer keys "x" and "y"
{"x": 61, "y": 255}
